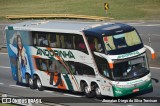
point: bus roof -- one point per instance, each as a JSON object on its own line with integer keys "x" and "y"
{"x": 99, "y": 28}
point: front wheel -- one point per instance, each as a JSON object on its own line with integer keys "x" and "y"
{"x": 39, "y": 84}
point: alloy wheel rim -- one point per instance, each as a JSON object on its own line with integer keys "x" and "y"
{"x": 30, "y": 81}
{"x": 39, "y": 83}
{"x": 86, "y": 89}
{"x": 98, "y": 92}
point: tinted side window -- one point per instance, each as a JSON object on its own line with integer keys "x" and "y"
{"x": 80, "y": 44}
{"x": 42, "y": 64}
{"x": 66, "y": 41}
{"x": 53, "y": 40}
{"x": 40, "y": 39}
{"x": 103, "y": 67}
{"x": 95, "y": 44}
{"x": 82, "y": 69}
{"x": 47, "y": 65}
{"x": 59, "y": 40}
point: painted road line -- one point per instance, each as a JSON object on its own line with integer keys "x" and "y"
{"x": 48, "y": 91}
{"x": 155, "y": 68}
{"x": 155, "y": 35}
{"x": 3, "y": 53}
{"x": 147, "y": 25}
{"x": 72, "y": 95}
{"x": 4, "y": 67}
{"x": 17, "y": 86}
{"x": 1, "y": 83}
{"x": 135, "y": 23}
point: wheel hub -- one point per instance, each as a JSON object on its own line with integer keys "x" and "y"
{"x": 87, "y": 89}
{"x": 39, "y": 83}
{"x": 98, "y": 92}
{"x": 30, "y": 81}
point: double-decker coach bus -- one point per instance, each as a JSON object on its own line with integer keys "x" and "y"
{"x": 98, "y": 59}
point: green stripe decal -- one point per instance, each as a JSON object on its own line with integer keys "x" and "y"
{"x": 125, "y": 91}
{"x": 68, "y": 81}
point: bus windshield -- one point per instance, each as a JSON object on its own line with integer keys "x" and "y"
{"x": 115, "y": 42}
{"x": 130, "y": 70}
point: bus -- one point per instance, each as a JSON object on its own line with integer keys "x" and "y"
{"x": 96, "y": 58}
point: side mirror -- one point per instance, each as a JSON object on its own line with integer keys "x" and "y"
{"x": 153, "y": 54}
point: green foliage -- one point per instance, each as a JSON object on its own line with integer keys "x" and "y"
{"x": 118, "y": 9}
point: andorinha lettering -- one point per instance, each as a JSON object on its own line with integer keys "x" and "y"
{"x": 133, "y": 82}
{"x": 49, "y": 53}
{"x": 128, "y": 55}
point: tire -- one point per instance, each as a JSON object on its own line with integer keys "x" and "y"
{"x": 89, "y": 94}
{"x": 98, "y": 92}
{"x": 32, "y": 83}
{"x": 39, "y": 84}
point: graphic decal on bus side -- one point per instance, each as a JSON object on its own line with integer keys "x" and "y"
{"x": 58, "y": 68}
{"x": 18, "y": 54}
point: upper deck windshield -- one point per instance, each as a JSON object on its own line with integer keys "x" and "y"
{"x": 115, "y": 43}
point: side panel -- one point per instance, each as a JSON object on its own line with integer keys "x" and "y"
{"x": 69, "y": 63}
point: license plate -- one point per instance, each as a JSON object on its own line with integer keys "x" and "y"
{"x": 135, "y": 90}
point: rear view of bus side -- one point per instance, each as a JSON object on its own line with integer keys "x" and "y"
{"x": 98, "y": 59}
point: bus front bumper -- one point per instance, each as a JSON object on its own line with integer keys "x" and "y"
{"x": 118, "y": 92}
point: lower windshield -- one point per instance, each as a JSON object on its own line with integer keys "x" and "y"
{"x": 130, "y": 70}
{"x": 123, "y": 40}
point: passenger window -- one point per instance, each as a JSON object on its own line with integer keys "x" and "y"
{"x": 67, "y": 41}
{"x": 82, "y": 69}
{"x": 35, "y": 38}
{"x": 57, "y": 66}
{"x": 40, "y": 39}
{"x": 91, "y": 43}
{"x": 42, "y": 64}
{"x": 38, "y": 63}
{"x": 103, "y": 66}
{"x": 95, "y": 44}
{"x": 72, "y": 67}
{"x": 80, "y": 44}
{"x": 98, "y": 45}
{"x": 43, "y": 39}
{"x": 53, "y": 40}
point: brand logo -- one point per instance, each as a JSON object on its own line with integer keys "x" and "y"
{"x": 52, "y": 53}
{"x": 128, "y": 55}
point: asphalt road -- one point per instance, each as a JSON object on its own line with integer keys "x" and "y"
{"x": 8, "y": 85}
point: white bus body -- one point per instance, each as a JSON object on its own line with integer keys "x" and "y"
{"x": 98, "y": 59}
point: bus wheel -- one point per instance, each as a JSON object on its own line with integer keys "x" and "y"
{"x": 39, "y": 84}
{"x": 98, "y": 92}
{"x": 31, "y": 83}
{"x": 88, "y": 93}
